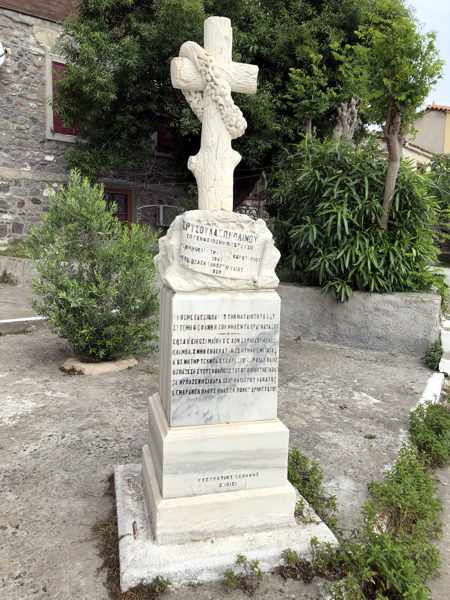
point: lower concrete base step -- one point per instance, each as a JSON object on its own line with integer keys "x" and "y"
{"x": 142, "y": 559}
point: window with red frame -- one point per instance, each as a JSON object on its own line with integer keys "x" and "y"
{"x": 120, "y": 200}
{"x": 58, "y": 70}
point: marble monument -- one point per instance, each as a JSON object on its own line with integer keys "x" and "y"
{"x": 213, "y": 481}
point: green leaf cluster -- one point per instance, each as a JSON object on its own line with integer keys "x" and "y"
{"x": 438, "y": 177}
{"x": 394, "y": 64}
{"x": 96, "y": 275}
{"x": 326, "y": 202}
{"x": 118, "y": 88}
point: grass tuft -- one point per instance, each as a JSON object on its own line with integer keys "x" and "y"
{"x": 392, "y": 556}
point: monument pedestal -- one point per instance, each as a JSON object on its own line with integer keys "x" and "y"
{"x": 215, "y": 480}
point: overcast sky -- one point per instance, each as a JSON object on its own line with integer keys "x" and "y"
{"x": 435, "y": 16}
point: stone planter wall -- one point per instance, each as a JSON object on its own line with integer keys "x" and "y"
{"x": 20, "y": 268}
{"x": 400, "y": 323}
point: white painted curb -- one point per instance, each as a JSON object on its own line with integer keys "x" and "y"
{"x": 433, "y": 389}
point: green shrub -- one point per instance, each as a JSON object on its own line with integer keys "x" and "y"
{"x": 406, "y": 498}
{"x": 433, "y": 356}
{"x": 392, "y": 555}
{"x": 306, "y": 475}
{"x": 383, "y": 568}
{"x": 429, "y": 428}
{"x": 96, "y": 282}
{"x": 326, "y": 203}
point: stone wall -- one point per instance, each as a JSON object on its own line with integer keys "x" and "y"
{"x": 403, "y": 323}
{"x": 31, "y": 162}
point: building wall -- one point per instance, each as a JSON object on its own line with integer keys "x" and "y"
{"x": 447, "y": 134}
{"x": 419, "y": 158}
{"x": 431, "y": 131}
{"x": 31, "y": 164}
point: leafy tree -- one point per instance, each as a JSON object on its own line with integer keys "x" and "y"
{"x": 118, "y": 88}
{"x": 393, "y": 68}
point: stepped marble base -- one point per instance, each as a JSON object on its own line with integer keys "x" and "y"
{"x": 209, "y": 459}
{"x": 190, "y": 518}
{"x": 142, "y": 558}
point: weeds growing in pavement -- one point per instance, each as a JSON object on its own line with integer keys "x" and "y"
{"x": 245, "y": 575}
{"x": 433, "y": 356}
{"x": 429, "y": 428}
{"x": 306, "y": 475}
{"x": 6, "y": 278}
{"x": 392, "y": 556}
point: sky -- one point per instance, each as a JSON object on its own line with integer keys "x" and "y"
{"x": 435, "y": 16}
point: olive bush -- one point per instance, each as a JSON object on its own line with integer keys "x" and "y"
{"x": 96, "y": 275}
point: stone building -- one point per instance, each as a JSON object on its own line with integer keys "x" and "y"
{"x": 33, "y": 139}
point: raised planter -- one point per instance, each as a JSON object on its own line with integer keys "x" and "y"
{"x": 20, "y": 268}
{"x": 400, "y": 323}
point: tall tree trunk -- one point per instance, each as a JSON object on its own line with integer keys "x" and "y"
{"x": 347, "y": 121}
{"x": 307, "y": 124}
{"x": 394, "y": 142}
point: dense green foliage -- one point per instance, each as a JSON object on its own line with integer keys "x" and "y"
{"x": 118, "y": 87}
{"x": 433, "y": 355}
{"x": 306, "y": 475}
{"x": 96, "y": 275}
{"x": 429, "y": 428}
{"x": 326, "y": 201}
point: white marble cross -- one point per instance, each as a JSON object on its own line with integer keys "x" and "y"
{"x": 207, "y": 77}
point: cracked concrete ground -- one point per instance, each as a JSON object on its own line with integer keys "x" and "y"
{"x": 61, "y": 435}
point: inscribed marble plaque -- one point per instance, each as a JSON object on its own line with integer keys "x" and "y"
{"x": 222, "y": 364}
{"x": 224, "y": 251}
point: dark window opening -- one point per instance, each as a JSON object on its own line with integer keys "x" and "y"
{"x": 58, "y": 71}
{"x": 165, "y": 140}
{"x": 120, "y": 200}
